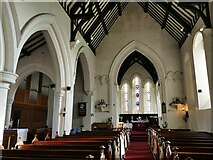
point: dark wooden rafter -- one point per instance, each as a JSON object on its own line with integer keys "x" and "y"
{"x": 99, "y": 19}
{"x": 183, "y": 39}
{"x": 25, "y": 52}
{"x": 94, "y": 19}
{"x": 146, "y": 7}
{"x": 38, "y": 40}
{"x": 102, "y": 20}
{"x": 34, "y": 38}
{"x": 133, "y": 58}
{"x": 119, "y": 9}
{"x": 84, "y": 15}
{"x": 30, "y": 50}
{"x": 38, "y": 46}
{"x": 34, "y": 42}
{"x": 165, "y": 18}
{"x": 177, "y": 16}
{"x": 199, "y": 10}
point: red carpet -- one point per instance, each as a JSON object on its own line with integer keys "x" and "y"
{"x": 139, "y": 148}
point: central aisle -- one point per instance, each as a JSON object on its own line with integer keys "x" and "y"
{"x": 139, "y": 148}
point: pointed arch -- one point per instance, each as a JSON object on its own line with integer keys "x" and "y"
{"x": 125, "y": 98}
{"x": 119, "y": 59}
{"x": 201, "y": 72}
{"x": 141, "y": 48}
{"x": 83, "y": 55}
{"x": 26, "y": 71}
{"x": 11, "y": 31}
{"x": 150, "y": 97}
{"x": 138, "y": 75}
{"x": 146, "y": 51}
{"x": 47, "y": 24}
{"x": 2, "y": 46}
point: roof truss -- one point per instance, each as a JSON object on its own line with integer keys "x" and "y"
{"x": 94, "y": 19}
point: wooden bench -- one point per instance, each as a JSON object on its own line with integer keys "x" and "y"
{"x": 49, "y": 154}
{"x": 197, "y": 145}
{"x": 75, "y": 147}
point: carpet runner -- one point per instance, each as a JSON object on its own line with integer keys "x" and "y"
{"x": 139, "y": 148}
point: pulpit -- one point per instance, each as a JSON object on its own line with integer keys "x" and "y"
{"x": 12, "y": 135}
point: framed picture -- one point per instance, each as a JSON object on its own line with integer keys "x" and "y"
{"x": 82, "y": 108}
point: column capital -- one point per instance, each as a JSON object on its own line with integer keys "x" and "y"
{"x": 7, "y": 78}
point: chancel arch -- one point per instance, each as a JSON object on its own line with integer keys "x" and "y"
{"x": 121, "y": 57}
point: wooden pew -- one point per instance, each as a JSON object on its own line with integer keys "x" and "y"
{"x": 195, "y": 155}
{"x": 197, "y": 145}
{"x": 49, "y": 154}
{"x": 76, "y": 146}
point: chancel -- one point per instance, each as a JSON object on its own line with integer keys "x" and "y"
{"x": 105, "y": 79}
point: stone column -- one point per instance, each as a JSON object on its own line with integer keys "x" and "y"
{"x": 67, "y": 126}
{"x": 8, "y": 112}
{"x": 50, "y": 107}
{"x": 6, "y": 78}
{"x": 58, "y": 103}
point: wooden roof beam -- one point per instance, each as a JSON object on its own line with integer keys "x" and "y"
{"x": 97, "y": 21}
{"x": 206, "y": 18}
{"x": 146, "y": 7}
{"x": 119, "y": 9}
{"x": 165, "y": 19}
{"x": 102, "y": 20}
{"x": 174, "y": 14}
{"x": 84, "y": 16}
{"x": 31, "y": 40}
{"x": 31, "y": 46}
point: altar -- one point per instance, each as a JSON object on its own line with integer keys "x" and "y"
{"x": 140, "y": 122}
{"x": 140, "y": 125}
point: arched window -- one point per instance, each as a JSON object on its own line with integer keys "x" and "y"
{"x": 139, "y": 98}
{"x": 201, "y": 75}
{"x": 136, "y": 94}
{"x": 125, "y": 98}
{"x": 147, "y": 95}
{"x": 149, "y": 98}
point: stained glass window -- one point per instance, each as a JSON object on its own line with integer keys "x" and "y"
{"x": 137, "y": 93}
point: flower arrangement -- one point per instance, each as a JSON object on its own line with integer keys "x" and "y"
{"x": 101, "y": 102}
{"x": 176, "y": 100}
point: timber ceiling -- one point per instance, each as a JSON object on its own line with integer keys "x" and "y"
{"x": 33, "y": 43}
{"x": 139, "y": 58}
{"x": 94, "y": 19}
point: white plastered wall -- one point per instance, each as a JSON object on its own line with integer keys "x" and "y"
{"x": 136, "y": 30}
{"x": 199, "y": 120}
{"x": 55, "y": 25}
{"x": 87, "y": 93}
